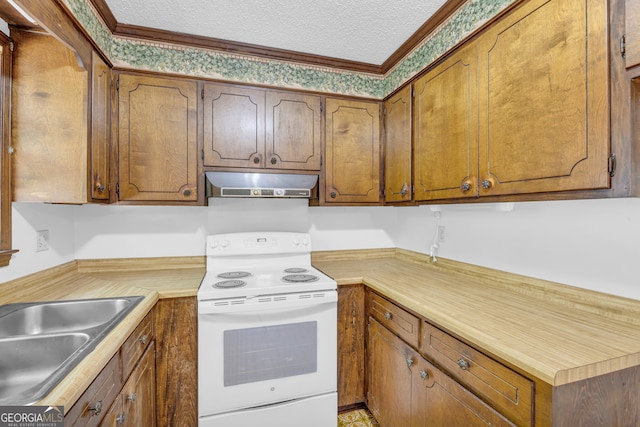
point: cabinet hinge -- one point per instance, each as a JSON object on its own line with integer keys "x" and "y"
{"x": 623, "y": 45}
{"x": 118, "y": 189}
{"x": 612, "y": 165}
{"x": 321, "y": 106}
{"x": 202, "y": 93}
{"x": 118, "y": 84}
{"x": 11, "y": 46}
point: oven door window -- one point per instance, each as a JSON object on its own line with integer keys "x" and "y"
{"x": 270, "y": 352}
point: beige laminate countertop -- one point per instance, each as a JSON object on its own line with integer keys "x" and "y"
{"x": 153, "y": 278}
{"x": 557, "y": 333}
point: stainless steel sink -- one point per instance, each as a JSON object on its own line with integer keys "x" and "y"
{"x": 40, "y": 343}
{"x": 63, "y": 316}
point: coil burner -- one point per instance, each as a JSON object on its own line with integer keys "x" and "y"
{"x": 234, "y": 275}
{"x": 295, "y": 270}
{"x": 299, "y": 278}
{"x": 227, "y": 284}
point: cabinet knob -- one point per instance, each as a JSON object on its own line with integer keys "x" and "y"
{"x": 424, "y": 374}
{"x": 120, "y": 418}
{"x": 333, "y": 194}
{"x": 99, "y": 185}
{"x": 387, "y": 316}
{"x": 187, "y": 192}
{"x": 404, "y": 190}
{"x": 486, "y": 184}
{"x": 409, "y": 362}
{"x": 256, "y": 160}
{"x": 464, "y": 365}
{"x": 132, "y": 397}
{"x": 274, "y": 160}
{"x": 466, "y": 186}
{"x": 143, "y": 339}
{"x": 97, "y": 408}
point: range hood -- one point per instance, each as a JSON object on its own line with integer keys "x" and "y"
{"x": 239, "y": 184}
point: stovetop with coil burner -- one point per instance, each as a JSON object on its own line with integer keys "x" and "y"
{"x": 256, "y": 264}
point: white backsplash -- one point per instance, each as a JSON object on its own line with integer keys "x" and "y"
{"x": 593, "y": 244}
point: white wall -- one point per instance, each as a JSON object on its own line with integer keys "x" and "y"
{"x": 594, "y": 244}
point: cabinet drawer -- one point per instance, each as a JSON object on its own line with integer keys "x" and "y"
{"x": 100, "y": 395}
{"x": 506, "y": 390}
{"x": 395, "y": 319}
{"x": 136, "y": 344}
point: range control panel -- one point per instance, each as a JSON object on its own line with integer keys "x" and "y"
{"x": 257, "y": 243}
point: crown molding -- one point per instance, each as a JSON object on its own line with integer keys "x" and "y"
{"x": 151, "y": 34}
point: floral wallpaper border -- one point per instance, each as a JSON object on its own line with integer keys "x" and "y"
{"x": 198, "y": 62}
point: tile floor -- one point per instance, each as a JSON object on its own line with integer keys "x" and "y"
{"x": 357, "y": 418}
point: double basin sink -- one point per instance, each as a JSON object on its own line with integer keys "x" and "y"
{"x": 41, "y": 342}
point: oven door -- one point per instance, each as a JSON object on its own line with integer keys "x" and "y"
{"x": 267, "y": 349}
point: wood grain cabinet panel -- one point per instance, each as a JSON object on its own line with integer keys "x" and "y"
{"x": 352, "y": 151}
{"x": 60, "y": 123}
{"x": 233, "y": 126}
{"x": 394, "y": 318}
{"x": 100, "y": 129}
{"x": 397, "y": 142}
{"x": 293, "y": 131}
{"x": 157, "y": 139}
{"x": 446, "y": 129}
{"x": 177, "y": 361}
{"x": 261, "y": 129}
{"x": 351, "y": 354}
{"x": 632, "y": 32}
{"x": 544, "y": 100}
{"x": 507, "y": 390}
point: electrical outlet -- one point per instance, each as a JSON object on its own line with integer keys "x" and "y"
{"x": 441, "y": 233}
{"x": 42, "y": 240}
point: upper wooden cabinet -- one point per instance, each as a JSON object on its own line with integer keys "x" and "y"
{"x": 544, "y": 99}
{"x": 397, "y": 141}
{"x": 60, "y": 123}
{"x": 632, "y": 32}
{"x": 256, "y": 128}
{"x": 523, "y": 108}
{"x": 352, "y": 152}
{"x": 157, "y": 139}
{"x": 446, "y": 129}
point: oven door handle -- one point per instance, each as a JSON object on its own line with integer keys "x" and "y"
{"x": 267, "y": 302}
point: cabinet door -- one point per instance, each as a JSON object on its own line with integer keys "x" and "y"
{"x": 438, "y": 400}
{"x": 352, "y": 169}
{"x": 397, "y": 164}
{"x": 351, "y": 331}
{"x": 544, "y": 102}
{"x": 632, "y": 32}
{"x": 389, "y": 377}
{"x": 446, "y": 129}
{"x": 139, "y": 392}
{"x": 233, "y": 126}
{"x": 157, "y": 139}
{"x": 100, "y": 129}
{"x": 292, "y": 131}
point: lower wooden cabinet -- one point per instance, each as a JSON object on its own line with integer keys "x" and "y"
{"x": 351, "y": 331}
{"x": 136, "y": 403}
{"x": 124, "y": 391}
{"x": 406, "y": 390}
{"x": 177, "y": 361}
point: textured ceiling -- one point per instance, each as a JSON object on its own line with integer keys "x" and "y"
{"x": 364, "y": 31}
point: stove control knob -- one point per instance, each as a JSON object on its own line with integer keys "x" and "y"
{"x": 224, "y": 243}
{"x": 214, "y": 244}
{"x": 296, "y": 241}
{"x": 305, "y": 242}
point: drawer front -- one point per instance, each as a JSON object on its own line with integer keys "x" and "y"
{"x": 92, "y": 406}
{"x": 136, "y": 344}
{"x": 505, "y": 389}
{"x": 396, "y": 319}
